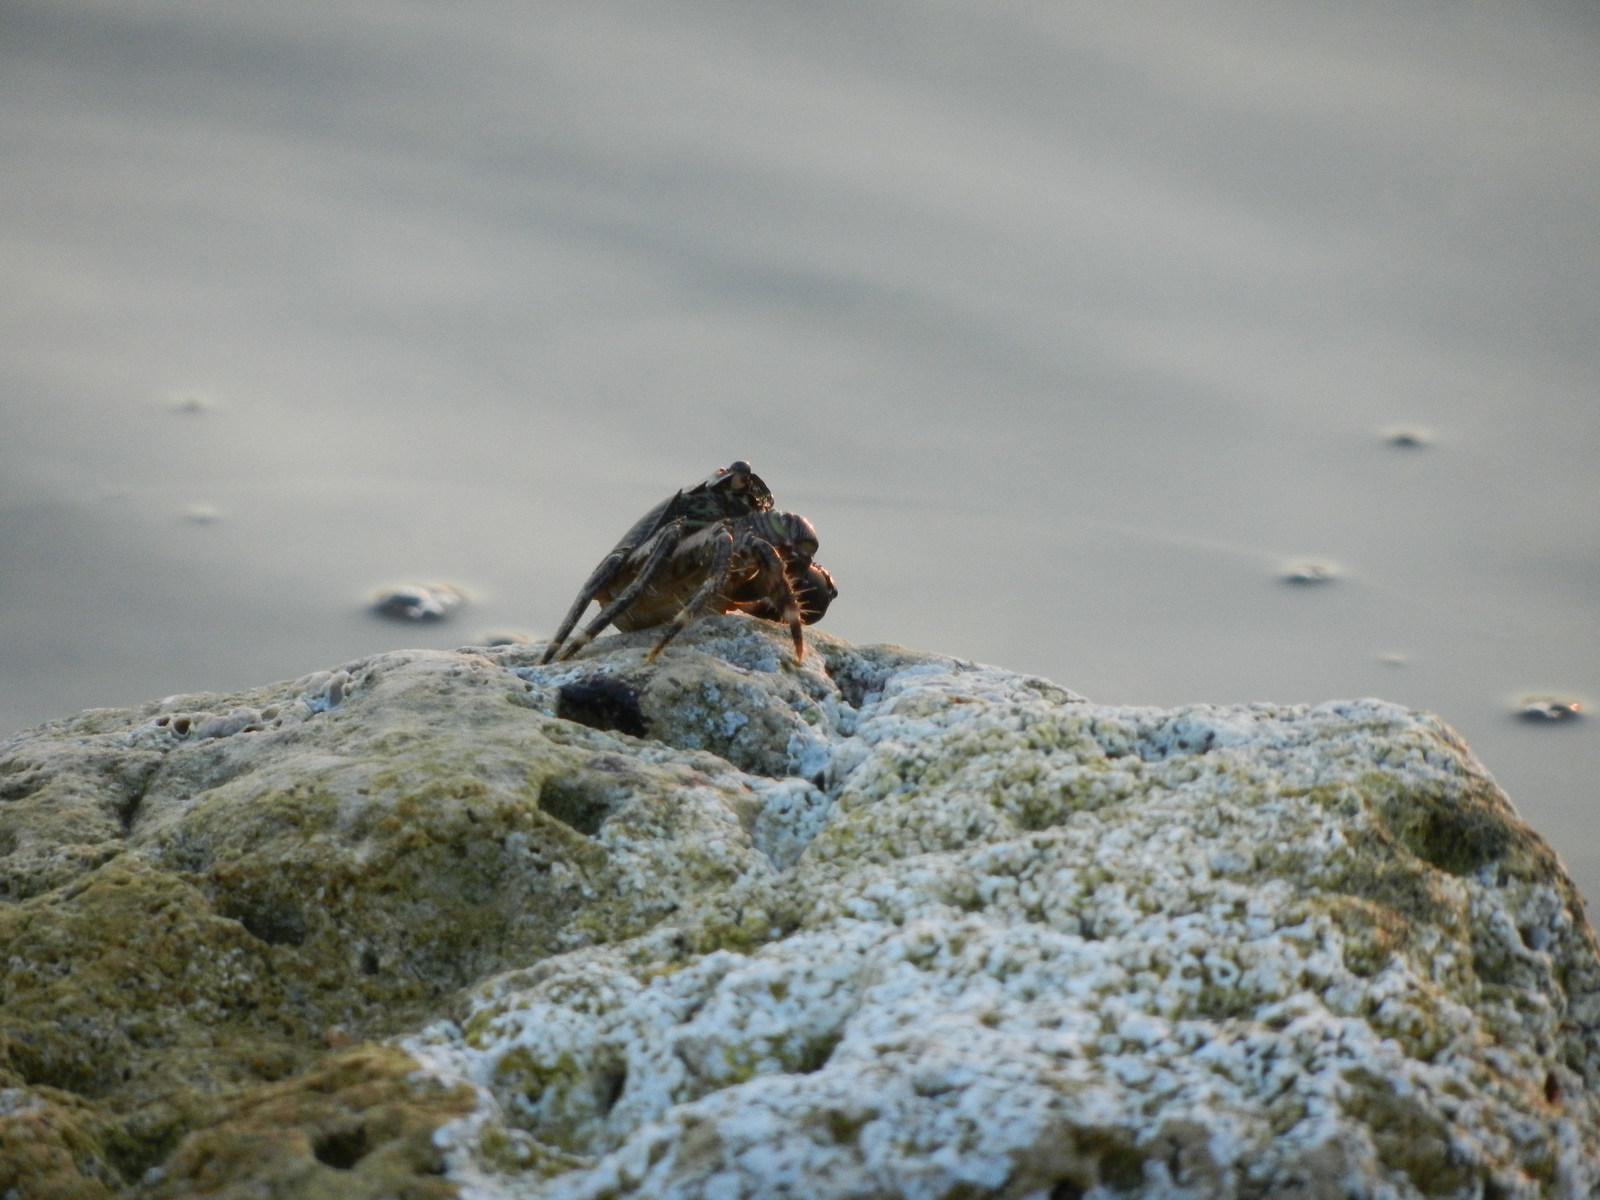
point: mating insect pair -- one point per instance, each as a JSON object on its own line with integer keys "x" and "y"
{"x": 716, "y": 547}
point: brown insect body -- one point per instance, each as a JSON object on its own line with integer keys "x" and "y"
{"x": 714, "y": 548}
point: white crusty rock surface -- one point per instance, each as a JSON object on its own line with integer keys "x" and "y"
{"x": 887, "y": 924}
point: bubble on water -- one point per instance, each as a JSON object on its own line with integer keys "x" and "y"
{"x": 419, "y": 601}
{"x": 504, "y": 637}
{"x": 1545, "y": 710}
{"x": 1306, "y": 571}
{"x": 1409, "y": 437}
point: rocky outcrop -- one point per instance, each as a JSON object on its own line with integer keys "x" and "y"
{"x": 882, "y": 924}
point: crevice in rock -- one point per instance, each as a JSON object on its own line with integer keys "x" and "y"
{"x": 856, "y": 678}
{"x": 20, "y": 779}
{"x": 612, "y": 1085}
{"x": 576, "y": 802}
{"x": 277, "y": 921}
{"x": 342, "y": 1149}
{"x": 816, "y": 1052}
{"x": 130, "y": 804}
{"x": 1175, "y": 739}
{"x": 1457, "y": 838}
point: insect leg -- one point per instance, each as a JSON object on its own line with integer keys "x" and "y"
{"x": 787, "y": 604}
{"x": 598, "y": 578}
{"x": 815, "y": 590}
{"x": 716, "y": 578}
{"x": 666, "y": 541}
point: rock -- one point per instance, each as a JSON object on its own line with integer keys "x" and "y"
{"x": 884, "y": 924}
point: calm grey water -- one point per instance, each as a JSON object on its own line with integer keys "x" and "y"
{"x": 1069, "y": 324}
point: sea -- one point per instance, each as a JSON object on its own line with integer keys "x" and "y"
{"x": 1224, "y": 353}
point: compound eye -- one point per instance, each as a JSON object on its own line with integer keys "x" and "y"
{"x": 806, "y": 547}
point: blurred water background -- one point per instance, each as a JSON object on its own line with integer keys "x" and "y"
{"x": 1070, "y": 325}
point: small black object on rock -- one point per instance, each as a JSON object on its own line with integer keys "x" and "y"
{"x": 604, "y": 702}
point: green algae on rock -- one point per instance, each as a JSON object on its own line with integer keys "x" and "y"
{"x": 359, "y": 1124}
{"x": 879, "y": 923}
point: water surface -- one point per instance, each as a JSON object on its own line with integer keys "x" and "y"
{"x": 1068, "y": 325}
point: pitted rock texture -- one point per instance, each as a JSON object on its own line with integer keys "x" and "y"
{"x": 879, "y": 924}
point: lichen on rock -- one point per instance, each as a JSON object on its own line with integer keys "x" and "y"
{"x": 881, "y": 923}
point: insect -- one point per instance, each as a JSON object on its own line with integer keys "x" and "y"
{"x": 713, "y": 548}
